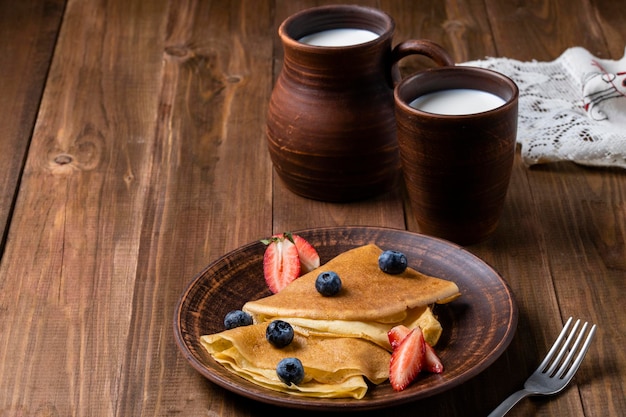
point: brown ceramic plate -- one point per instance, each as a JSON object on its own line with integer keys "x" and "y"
{"x": 478, "y": 326}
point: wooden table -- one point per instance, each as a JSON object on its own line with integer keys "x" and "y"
{"x": 132, "y": 154}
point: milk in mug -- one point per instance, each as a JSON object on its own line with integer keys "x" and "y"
{"x": 339, "y": 37}
{"x": 457, "y": 102}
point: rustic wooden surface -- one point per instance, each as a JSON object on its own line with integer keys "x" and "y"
{"x": 132, "y": 154}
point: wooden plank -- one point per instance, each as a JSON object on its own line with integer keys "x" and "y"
{"x": 543, "y": 30}
{"x": 461, "y": 27}
{"x": 586, "y": 234}
{"x": 210, "y": 189}
{"x": 175, "y": 125}
{"x": 579, "y": 211}
{"x": 71, "y": 258}
{"x": 610, "y": 17}
{"x": 464, "y": 29}
{"x": 539, "y": 299}
{"x": 29, "y": 30}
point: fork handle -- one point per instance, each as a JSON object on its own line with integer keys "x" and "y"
{"x": 507, "y": 404}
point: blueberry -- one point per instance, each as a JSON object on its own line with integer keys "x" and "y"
{"x": 279, "y": 333}
{"x": 290, "y": 371}
{"x": 237, "y": 318}
{"x": 392, "y": 262}
{"x": 328, "y": 283}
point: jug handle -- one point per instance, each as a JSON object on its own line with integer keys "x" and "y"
{"x": 424, "y": 47}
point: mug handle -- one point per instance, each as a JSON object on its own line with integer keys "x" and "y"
{"x": 424, "y": 47}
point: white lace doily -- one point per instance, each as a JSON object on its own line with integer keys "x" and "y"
{"x": 573, "y": 108}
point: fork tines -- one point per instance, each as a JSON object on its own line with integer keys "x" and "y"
{"x": 554, "y": 364}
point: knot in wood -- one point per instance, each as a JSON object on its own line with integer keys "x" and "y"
{"x": 63, "y": 159}
{"x": 177, "y": 51}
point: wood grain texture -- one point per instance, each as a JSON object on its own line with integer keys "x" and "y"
{"x": 563, "y": 195}
{"x": 511, "y": 247}
{"x": 135, "y": 131}
{"x": 81, "y": 202}
{"x": 210, "y": 190}
{"x": 24, "y": 63}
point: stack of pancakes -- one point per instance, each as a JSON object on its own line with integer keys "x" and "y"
{"x": 340, "y": 340}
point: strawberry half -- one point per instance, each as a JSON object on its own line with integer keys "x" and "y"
{"x": 397, "y": 334}
{"x": 281, "y": 263}
{"x": 432, "y": 363}
{"x": 309, "y": 259}
{"x": 407, "y": 359}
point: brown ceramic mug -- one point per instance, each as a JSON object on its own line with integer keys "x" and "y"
{"x": 457, "y": 167}
{"x": 331, "y": 129}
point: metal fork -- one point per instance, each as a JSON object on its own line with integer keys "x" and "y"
{"x": 547, "y": 379}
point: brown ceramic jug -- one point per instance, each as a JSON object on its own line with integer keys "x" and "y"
{"x": 331, "y": 127}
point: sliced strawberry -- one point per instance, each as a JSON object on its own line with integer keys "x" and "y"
{"x": 406, "y": 360}
{"x": 309, "y": 259}
{"x": 397, "y": 334}
{"x": 281, "y": 264}
{"x": 432, "y": 363}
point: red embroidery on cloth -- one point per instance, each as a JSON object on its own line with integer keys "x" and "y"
{"x": 602, "y": 86}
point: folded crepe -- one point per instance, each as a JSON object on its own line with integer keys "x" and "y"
{"x": 334, "y": 367}
{"x": 341, "y": 340}
{"x": 369, "y": 304}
